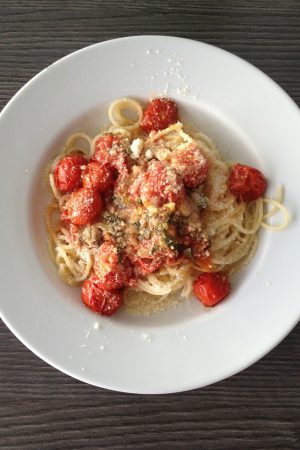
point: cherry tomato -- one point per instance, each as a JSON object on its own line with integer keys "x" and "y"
{"x": 191, "y": 164}
{"x": 158, "y": 185}
{"x": 97, "y": 176}
{"x": 102, "y": 147}
{"x": 112, "y": 273}
{"x": 100, "y": 300}
{"x": 159, "y": 114}
{"x": 211, "y": 287}
{"x": 119, "y": 163}
{"x": 246, "y": 183}
{"x": 111, "y": 280}
{"x": 116, "y": 279}
{"x": 109, "y": 151}
{"x": 147, "y": 265}
{"x": 107, "y": 257}
{"x": 67, "y": 173}
{"x": 132, "y": 280}
{"x": 84, "y": 206}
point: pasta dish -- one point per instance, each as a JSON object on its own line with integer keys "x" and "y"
{"x": 147, "y": 210}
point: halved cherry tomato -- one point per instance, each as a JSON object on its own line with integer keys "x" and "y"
{"x": 159, "y": 114}
{"x": 107, "y": 256}
{"x": 131, "y": 279}
{"x": 109, "y": 151}
{"x": 67, "y": 173}
{"x": 113, "y": 279}
{"x": 246, "y": 183}
{"x": 145, "y": 266}
{"x": 100, "y": 300}
{"x": 110, "y": 272}
{"x": 97, "y": 176}
{"x": 84, "y": 206}
{"x": 102, "y": 147}
{"x": 191, "y": 164}
{"x": 211, "y": 287}
{"x": 158, "y": 185}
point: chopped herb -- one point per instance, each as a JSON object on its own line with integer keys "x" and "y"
{"x": 188, "y": 252}
{"x": 120, "y": 254}
{"x": 153, "y": 249}
{"x": 162, "y": 227}
{"x": 172, "y": 244}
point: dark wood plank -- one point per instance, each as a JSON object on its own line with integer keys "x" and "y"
{"x": 41, "y": 408}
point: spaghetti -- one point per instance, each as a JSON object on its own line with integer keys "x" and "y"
{"x": 145, "y": 210}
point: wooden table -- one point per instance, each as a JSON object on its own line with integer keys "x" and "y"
{"x": 41, "y": 408}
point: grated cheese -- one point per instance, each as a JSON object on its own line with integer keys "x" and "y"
{"x": 149, "y": 154}
{"x": 136, "y": 148}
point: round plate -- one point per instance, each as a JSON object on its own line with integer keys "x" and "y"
{"x": 250, "y": 118}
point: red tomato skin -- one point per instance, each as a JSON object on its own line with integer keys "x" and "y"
{"x": 192, "y": 165}
{"x": 110, "y": 273}
{"x": 159, "y": 114}
{"x": 102, "y": 147}
{"x": 107, "y": 256}
{"x": 211, "y": 287}
{"x": 97, "y": 176}
{"x": 111, "y": 280}
{"x": 144, "y": 266}
{"x": 109, "y": 151}
{"x": 132, "y": 280}
{"x": 100, "y": 300}
{"x": 67, "y": 173}
{"x": 159, "y": 185}
{"x": 246, "y": 183}
{"x": 116, "y": 279}
{"x": 83, "y": 207}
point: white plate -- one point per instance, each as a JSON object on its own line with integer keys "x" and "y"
{"x": 251, "y": 119}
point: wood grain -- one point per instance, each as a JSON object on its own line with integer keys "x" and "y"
{"x": 41, "y": 408}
